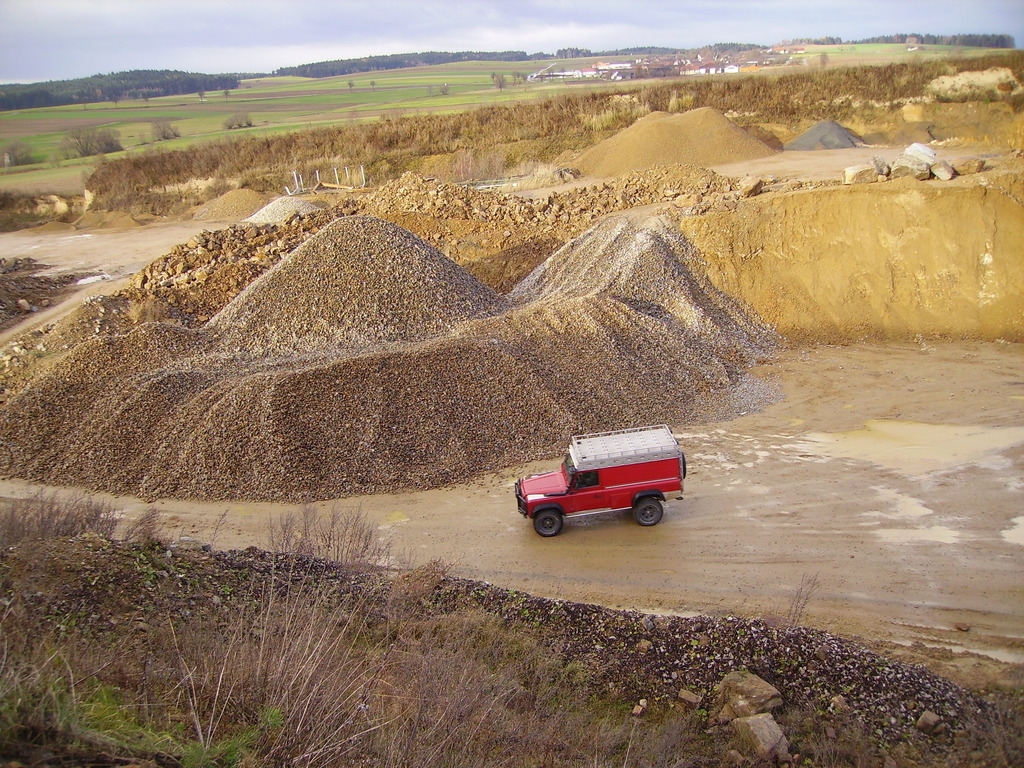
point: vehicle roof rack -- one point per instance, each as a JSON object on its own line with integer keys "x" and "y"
{"x": 623, "y": 446}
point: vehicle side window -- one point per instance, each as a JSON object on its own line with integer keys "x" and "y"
{"x": 586, "y": 479}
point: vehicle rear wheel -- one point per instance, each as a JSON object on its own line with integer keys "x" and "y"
{"x": 547, "y": 522}
{"x": 648, "y": 511}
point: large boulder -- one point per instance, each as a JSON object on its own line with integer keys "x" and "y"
{"x": 742, "y": 694}
{"x": 910, "y": 166}
{"x": 763, "y": 737}
{"x": 860, "y": 174}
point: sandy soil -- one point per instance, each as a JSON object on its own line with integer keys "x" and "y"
{"x": 891, "y": 475}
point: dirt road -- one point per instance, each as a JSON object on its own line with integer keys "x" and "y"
{"x": 891, "y": 475}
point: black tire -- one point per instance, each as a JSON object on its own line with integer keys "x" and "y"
{"x": 648, "y": 511}
{"x": 548, "y": 522}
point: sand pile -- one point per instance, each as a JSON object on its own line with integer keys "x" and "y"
{"x": 168, "y": 411}
{"x": 358, "y": 283}
{"x": 106, "y": 220}
{"x": 231, "y": 206}
{"x": 703, "y": 137}
{"x": 281, "y": 209}
{"x": 828, "y": 134}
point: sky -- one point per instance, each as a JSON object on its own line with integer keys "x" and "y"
{"x": 64, "y": 39}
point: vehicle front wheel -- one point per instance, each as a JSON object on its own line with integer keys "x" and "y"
{"x": 547, "y": 522}
{"x": 648, "y": 511}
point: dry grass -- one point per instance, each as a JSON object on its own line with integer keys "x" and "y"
{"x": 48, "y": 516}
{"x": 345, "y": 536}
{"x": 294, "y": 668}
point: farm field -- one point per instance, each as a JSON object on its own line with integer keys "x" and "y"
{"x": 273, "y": 104}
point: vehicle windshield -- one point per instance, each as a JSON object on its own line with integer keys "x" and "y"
{"x": 568, "y": 468}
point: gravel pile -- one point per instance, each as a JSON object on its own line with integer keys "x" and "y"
{"x": 357, "y": 284}
{"x": 231, "y": 206}
{"x": 305, "y": 387}
{"x": 281, "y": 209}
{"x": 653, "y": 657}
{"x": 703, "y": 137}
{"x": 828, "y": 134}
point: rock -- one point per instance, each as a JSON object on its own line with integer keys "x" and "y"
{"x": 750, "y": 186}
{"x": 909, "y": 166}
{"x": 689, "y": 699}
{"x": 860, "y": 174}
{"x": 742, "y": 694}
{"x": 928, "y": 722}
{"x": 962, "y": 626}
{"x": 967, "y": 165}
{"x": 881, "y": 166}
{"x": 735, "y": 758}
{"x": 763, "y": 735}
{"x": 24, "y": 306}
{"x": 942, "y": 170}
{"x": 888, "y": 762}
{"x": 839, "y": 703}
{"x": 640, "y": 708}
{"x": 644, "y": 646}
{"x": 920, "y": 152}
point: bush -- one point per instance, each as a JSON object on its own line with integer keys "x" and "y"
{"x": 46, "y": 516}
{"x": 86, "y": 142}
{"x": 18, "y": 153}
{"x": 238, "y": 120}
{"x": 163, "y": 130}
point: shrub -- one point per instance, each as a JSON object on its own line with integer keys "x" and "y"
{"x": 86, "y": 142}
{"x": 163, "y": 130}
{"x": 238, "y": 120}
{"x": 47, "y": 516}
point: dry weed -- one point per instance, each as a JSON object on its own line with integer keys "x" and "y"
{"x": 48, "y": 516}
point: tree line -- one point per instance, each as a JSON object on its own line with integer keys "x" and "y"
{"x": 338, "y": 67}
{"x": 966, "y": 41}
{"x": 134, "y": 84}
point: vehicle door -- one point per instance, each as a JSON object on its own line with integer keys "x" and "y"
{"x": 586, "y": 492}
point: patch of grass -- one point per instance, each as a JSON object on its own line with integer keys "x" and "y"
{"x": 48, "y": 516}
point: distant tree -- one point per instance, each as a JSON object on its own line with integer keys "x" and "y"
{"x": 164, "y": 131}
{"x": 85, "y": 142}
{"x": 227, "y": 93}
{"x": 238, "y": 120}
{"x": 202, "y": 95}
{"x": 499, "y": 82}
{"x": 115, "y": 96}
{"x": 18, "y": 153}
{"x": 373, "y": 85}
{"x": 351, "y": 84}
{"x": 444, "y": 89}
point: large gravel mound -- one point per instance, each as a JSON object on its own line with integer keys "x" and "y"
{"x": 274, "y": 402}
{"x": 231, "y": 206}
{"x": 828, "y": 134}
{"x": 358, "y": 283}
{"x": 703, "y": 137}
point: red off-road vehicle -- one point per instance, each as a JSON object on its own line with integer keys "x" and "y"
{"x": 603, "y": 472}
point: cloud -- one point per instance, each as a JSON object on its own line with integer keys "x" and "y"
{"x": 56, "y": 39}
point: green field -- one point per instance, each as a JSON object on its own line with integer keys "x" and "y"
{"x": 282, "y": 104}
{"x": 273, "y": 104}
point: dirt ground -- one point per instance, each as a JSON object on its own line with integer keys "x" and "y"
{"x": 889, "y": 476}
